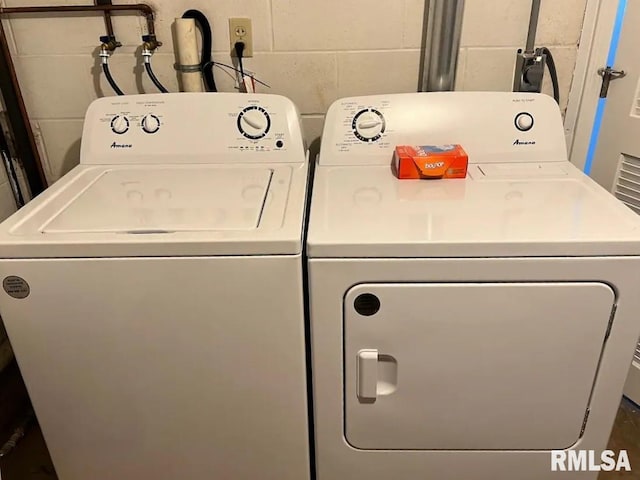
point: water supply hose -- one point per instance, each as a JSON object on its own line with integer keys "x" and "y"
{"x": 147, "y": 66}
{"x": 104, "y": 54}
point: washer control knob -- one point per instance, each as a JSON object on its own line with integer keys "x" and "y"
{"x": 119, "y": 124}
{"x": 150, "y": 123}
{"x": 524, "y": 121}
{"x": 254, "y": 122}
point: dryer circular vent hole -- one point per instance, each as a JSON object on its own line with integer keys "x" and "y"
{"x": 366, "y": 304}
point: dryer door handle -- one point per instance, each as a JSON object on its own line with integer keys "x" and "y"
{"x": 367, "y": 375}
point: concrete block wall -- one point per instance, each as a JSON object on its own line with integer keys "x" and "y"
{"x": 313, "y": 52}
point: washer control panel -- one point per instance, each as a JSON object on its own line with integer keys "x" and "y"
{"x": 195, "y": 127}
{"x": 492, "y": 127}
{"x": 120, "y": 124}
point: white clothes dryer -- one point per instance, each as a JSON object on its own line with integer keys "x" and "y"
{"x": 464, "y": 328}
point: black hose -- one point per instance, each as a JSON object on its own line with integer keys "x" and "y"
{"x": 206, "y": 65}
{"x": 154, "y": 79}
{"x": 239, "y": 48}
{"x": 237, "y": 70}
{"x": 551, "y": 65}
{"x": 112, "y": 82}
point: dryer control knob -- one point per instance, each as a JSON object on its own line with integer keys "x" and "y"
{"x": 524, "y": 121}
{"x": 150, "y": 124}
{"x": 119, "y": 124}
{"x": 368, "y": 125}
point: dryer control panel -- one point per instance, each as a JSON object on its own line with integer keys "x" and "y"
{"x": 192, "y": 128}
{"x": 500, "y": 127}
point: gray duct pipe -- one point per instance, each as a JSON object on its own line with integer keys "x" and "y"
{"x": 533, "y": 26}
{"x": 441, "y": 42}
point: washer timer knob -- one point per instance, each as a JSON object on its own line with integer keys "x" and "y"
{"x": 368, "y": 125}
{"x": 119, "y": 124}
{"x": 524, "y": 121}
{"x": 150, "y": 123}
{"x": 254, "y": 122}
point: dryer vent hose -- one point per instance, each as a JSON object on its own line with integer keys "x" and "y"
{"x": 553, "y": 73}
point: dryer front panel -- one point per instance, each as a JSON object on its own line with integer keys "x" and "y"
{"x": 471, "y": 366}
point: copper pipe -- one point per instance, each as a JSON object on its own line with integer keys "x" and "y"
{"x": 4, "y": 46}
{"x": 108, "y": 24}
{"x": 143, "y": 8}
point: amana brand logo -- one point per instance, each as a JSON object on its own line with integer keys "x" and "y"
{"x": 526, "y": 142}
{"x": 121, "y": 145}
{"x": 434, "y": 165}
{"x": 589, "y": 461}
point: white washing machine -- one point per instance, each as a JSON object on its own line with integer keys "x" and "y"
{"x": 464, "y": 328}
{"x": 154, "y": 295}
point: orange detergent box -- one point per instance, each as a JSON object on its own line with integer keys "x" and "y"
{"x": 430, "y": 161}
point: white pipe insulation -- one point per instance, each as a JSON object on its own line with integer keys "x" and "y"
{"x": 187, "y": 44}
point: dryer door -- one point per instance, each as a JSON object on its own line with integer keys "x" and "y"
{"x": 482, "y": 366}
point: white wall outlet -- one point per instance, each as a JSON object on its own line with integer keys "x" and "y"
{"x": 240, "y": 31}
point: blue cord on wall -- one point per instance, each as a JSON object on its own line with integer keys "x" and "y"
{"x": 611, "y": 60}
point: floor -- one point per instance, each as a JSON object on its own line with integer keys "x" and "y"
{"x": 30, "y": 460}
{"x": 626, "y": 435}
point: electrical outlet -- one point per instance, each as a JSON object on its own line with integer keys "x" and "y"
{"x": 240, "y": 31}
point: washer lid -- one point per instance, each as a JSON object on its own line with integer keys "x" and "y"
{"x": 166, "y": 200}
{"x": 163, "y": 210}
